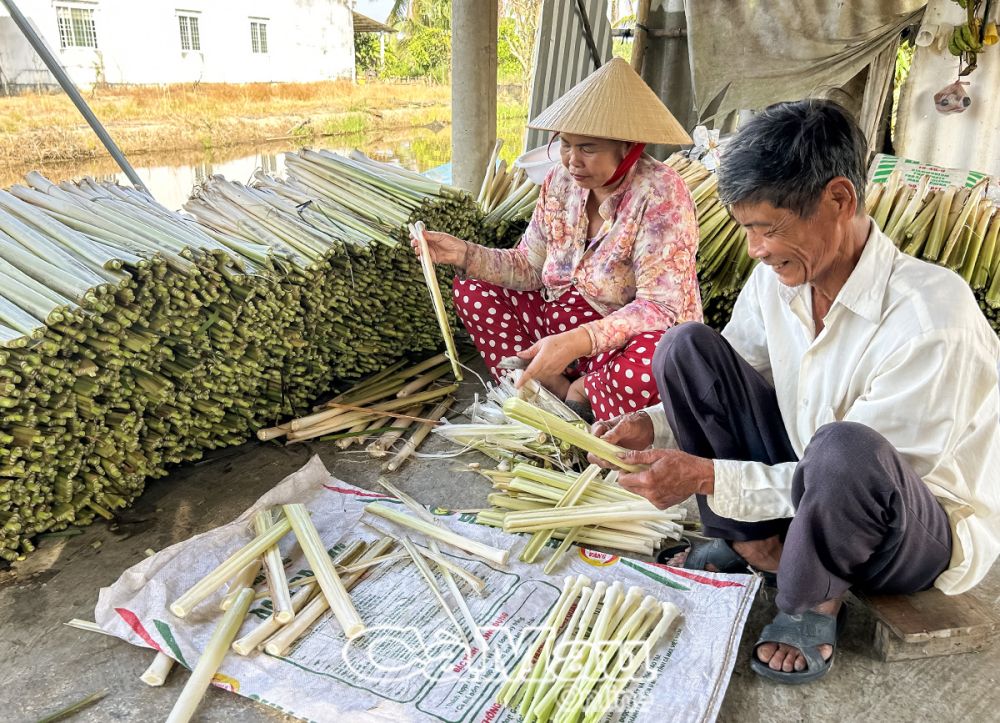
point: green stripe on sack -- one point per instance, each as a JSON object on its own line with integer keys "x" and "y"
{"x": 168, "y": 637}
{"x": 649, "y": 573}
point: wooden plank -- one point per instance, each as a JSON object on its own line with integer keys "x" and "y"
{"x": 930, "y": 623}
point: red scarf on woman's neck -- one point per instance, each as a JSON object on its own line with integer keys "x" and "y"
{"x": 628, "y": 161}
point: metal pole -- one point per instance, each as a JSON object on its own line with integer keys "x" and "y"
{"x": 67, "y": 85}
{"x": 588, "y": 34}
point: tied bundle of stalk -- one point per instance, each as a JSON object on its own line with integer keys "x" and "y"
{"x": 113, "y": 381}
{"x": 507, "y": 199}
{"x": 575, "y": 508}
{"x": 953, "y": 227}
{"x": 133, "y": 337}
{"x": 723, "y": 264}
{"x": 383, "y": 406}
{"x": 587, "y": 652}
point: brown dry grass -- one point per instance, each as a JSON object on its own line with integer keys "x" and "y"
{"x": 40, "y": 128}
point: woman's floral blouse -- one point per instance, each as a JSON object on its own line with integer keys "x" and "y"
{"x": 638, "y": 272}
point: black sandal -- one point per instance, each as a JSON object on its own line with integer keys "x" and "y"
{"x": 805, "y": 633}
{"x": 719, "y": 554}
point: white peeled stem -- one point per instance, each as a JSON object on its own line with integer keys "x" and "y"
{"x": 356, "y": 567}
{"x": 249, "y": 642}
{"x": 623, "y": 675}
{"x": 572, "y": 587}
{"x": 591, "y": 657}
{"x": 430, "y": 277}
{"x": 441, "y": 534}
{"x": 533, "y": 700}
{"x": 283, "y": 638}
{"x": 379, "y": 447}
{"x": 446, "y": 569}
{"x": 418, "y": 434}
{"x": 244, "y": 578}
{"x": 615, "y": 648}
{"x": 89, "y": 626}
{"x": 157, "y": 672}
{"x": 599, "y": 703}
{"x": 428, "y": 576}
{"x": 228, "y": 568}
{"x": 477, "y": 584}
{"x": 633, "y": 599}
{"x": 450, "y": 568}
{"x": 329, "y": 582}
{"x": 274, "y": 571}
{"x": 579, "y": 516}
{"x": 546, "y": 672}
{"x": 211, "y": 658}
{"x": 564, "y": 545}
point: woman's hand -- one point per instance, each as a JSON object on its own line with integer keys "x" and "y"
{"x": 444, "y": 248}
{"x": 549, "y": 357}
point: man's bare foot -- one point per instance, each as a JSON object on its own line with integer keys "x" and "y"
{"x": 779, "y": 656}
{"x": 763, "y": 555}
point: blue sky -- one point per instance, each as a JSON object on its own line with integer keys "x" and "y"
{"x": 375, "y": 9}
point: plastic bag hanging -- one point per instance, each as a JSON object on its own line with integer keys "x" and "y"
{"x": 952, "y": 98}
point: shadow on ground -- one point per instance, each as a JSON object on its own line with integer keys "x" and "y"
{"x": 50, "y": 665}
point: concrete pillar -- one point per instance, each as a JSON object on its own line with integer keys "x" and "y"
{"x": 666, "y": 68}
{"x": 473, "y": 90}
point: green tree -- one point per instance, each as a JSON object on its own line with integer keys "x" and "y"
{"x": 366, "y": 53}
{"x": 426, "y": 13}
{"x": 424, "y": 48}
{"x": 518, "y": 27}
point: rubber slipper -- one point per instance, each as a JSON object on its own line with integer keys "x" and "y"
{"x": 805, "y": 633}
{"x": 719, "y": 554}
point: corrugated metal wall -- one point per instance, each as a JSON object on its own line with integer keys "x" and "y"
{"x": 562, "y": 58}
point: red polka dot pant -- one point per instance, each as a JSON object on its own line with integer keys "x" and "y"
{"x": 503, "y": 322}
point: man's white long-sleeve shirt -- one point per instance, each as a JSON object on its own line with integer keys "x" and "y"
{"x": 904, "y": 350}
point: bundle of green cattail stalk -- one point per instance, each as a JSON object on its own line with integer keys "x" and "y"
{"x": 133, "y": 337}
{"x": 953, "y": 227}
{"x": 507, "y": 198}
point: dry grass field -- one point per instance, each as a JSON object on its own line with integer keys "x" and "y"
{"x": 44, "y": 128}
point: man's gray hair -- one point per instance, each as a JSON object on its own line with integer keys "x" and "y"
{"x": 789, "y": 152}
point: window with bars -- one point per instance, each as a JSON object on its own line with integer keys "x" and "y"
{"x": 76, "y": 27}
{"x": 190, "y": 36}
{"x": 258, "y": 36}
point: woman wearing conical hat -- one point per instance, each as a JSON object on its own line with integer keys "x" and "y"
{"x": 607, "y": 263}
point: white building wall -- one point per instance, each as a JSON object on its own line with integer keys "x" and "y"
{"x": 138, "y": 42}
{"x": 968, "y": 140}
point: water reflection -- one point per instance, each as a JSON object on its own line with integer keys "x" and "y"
{"x": 170, "y": 177}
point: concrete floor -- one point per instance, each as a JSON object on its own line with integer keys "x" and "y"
{"x": 47, "y": 665}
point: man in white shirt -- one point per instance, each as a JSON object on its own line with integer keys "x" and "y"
{"x": 843, "y": 429}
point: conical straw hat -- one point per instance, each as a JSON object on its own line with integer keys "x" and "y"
{"x": 613, "y": 102}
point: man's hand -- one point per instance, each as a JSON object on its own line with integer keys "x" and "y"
{"x": 631, "y": 431}
{"x": 672, "y": 476}
{"x": 549, "y": 357}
